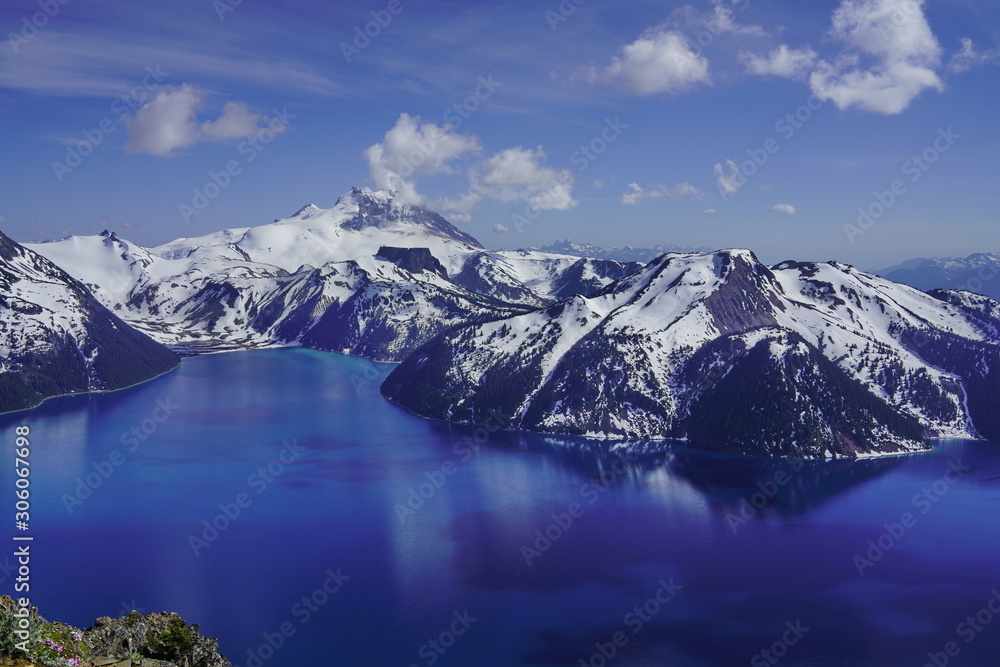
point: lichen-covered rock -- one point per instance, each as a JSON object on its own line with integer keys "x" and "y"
{"x": 163, "y": 637}
{"x": 144, "y": 640}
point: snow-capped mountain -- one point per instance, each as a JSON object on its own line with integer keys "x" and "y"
{"x": 369, "y": 276}
{"x": 55, "y": 338}
{"x": 799, "y": 359}
{"x": 628, "y": 253}
{"x": 979, "y": 272}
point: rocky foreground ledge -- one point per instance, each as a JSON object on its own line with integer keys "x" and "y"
{"x": 134, "y": 640}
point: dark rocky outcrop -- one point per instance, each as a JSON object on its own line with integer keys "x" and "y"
{"x": 144, "y": 640}
{"x": 414, "y": 260}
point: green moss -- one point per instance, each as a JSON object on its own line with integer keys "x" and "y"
{"x": 172, "y": 642}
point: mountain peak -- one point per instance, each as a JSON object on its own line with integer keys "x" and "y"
{"x": 307, "y": 211}
{"x": 357, "y": 196}
{"x": 109, "y": 236}
{"x": 366, "y": 208}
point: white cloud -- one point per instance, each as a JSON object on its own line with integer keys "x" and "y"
{"x": 599, "y": 184}
{"x": 968, "y": 57}
{"x": 720, "y": 21}
{"x": 458, "y": 209}
{"x": 684, "y": 190}
{"x": 169, "y": 122}
{"x": 783, "y": 209}
{"x": 660, "y": 61}
{"x": 500, "y": 229}
{"x": 708, "y": 211}
{"x": 896, "y": 40}
{"x": 412, "y": 149}
{"x": 518, "y": 174}
{"x": 235, "y": 122}
{"x": 637, "y": 194}
{"x": 729, "y": 182}
{"x": 784, "y": 62}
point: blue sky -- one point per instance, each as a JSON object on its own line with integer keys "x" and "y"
{"x": 754, "y": 123}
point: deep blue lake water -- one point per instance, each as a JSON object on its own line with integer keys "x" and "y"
{"x": 385, "y": 539}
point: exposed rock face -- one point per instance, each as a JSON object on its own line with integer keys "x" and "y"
{"x": 163, "y": 636}
{"x": 147, "y": 640}
{"x": 414, "y": 260}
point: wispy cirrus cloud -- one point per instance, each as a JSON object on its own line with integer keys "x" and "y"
{"x": 636, "y": 194}
{"x": 784, "y": 62}
{"x": 69, "y": 64}
{"x": 968, "y": 56}
{"x": 729, "y": 177}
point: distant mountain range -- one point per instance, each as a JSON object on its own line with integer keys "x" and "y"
{"x": 55, "y": 338}
{"x": 368, "y": 276}
{"x": 979, "y": 272}
{"x": 642, "y": 254}
{"x": 797, "y": 359}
